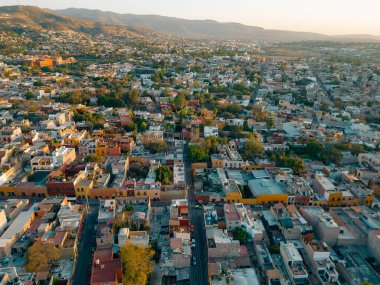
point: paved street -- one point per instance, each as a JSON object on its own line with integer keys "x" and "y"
{"x": 82, "y": 270}
{"x": 198, "y": 273}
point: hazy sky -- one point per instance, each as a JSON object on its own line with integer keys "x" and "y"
{"x": 324, "y": 16}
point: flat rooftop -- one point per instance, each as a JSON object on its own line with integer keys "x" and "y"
{"x": 265, "y": 186}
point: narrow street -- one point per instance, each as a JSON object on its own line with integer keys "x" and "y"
{"x": 87, "y": 243}
{"x": 198, "y": 273}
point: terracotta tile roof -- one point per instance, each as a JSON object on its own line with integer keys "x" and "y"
{"x": 105, "y": 269}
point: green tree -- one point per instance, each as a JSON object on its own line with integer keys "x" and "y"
{"x": 297, "y": 165}
{"x": 180, "y": 101}
{"x": 137, "y": 264}
{"x": 132, "y": 98}
{"x": 357, "y": 149}
{"x": 198, "y": 153}
{"x": 29, "y": 96}
{"x": 241, "y": 235}
{"x": 182, "y": 113}
{"x": 270, "y": 122}
{"x": 324, "y": 107}
{"x": 38, "y": 83}
{"x": 211, "y": 143}
{"x": 274, "y": 248}
{"x": 233, "y": 108}
{"x": 253, "y": 148}
{"x": 156, "y": 146}
{"x": 138, "y": 170}
{"x": 93, "y": 158}
{"x": 314, "y": 149}
{"x": 241, "y": 88}
{"x": 142, "y": 127}
{"x": 76, "y": 97}
{"x": 294, "y": 162}
{"x": 130, "y": 127}
{"x": 164, "y": 175}
{"x": 258, "y": 114}
{"x": 94, "y": 118}
{"x": 30, "y": 176}
{"x": 331, "y": 154}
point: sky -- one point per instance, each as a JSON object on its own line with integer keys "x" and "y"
{"x": 332, "y": 17}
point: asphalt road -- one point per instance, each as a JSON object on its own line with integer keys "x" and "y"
{"x": 88, "y": 241}
{"x": 198, "y": 273}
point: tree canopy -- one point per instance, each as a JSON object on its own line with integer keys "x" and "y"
{"x": 41, "y": 255}
{"x": 164, "y": 175}
{"x": 240, "y": 235}
{"x": 180, "y": 101}
{"x": 93, "y": 158}
{"x": 198, "y": 153}
{"x": 294, "y": 162}
{"x": 211, "y": 143}
{"x": 137, "y": 264}
{"x": 156, "y": 146}
{"x": 253, "y": 148}
{"x": 94, "y": 118}
{"x": 328, "y": 153}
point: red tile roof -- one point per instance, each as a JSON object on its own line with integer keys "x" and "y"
{"x": 105, "y": 269}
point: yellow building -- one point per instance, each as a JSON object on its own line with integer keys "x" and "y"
{"x": 334, "y": 199}
{"x": 7, "y": 191}
{"x": 234, "y": 197}
{"x": 217, "y": 161}
{"x": 265, "y": 190}
{"x": 101, "y": 149}
{"x": 272, "y": 198}
{"x": 75, "y": 138}
{"x": 368, "y": 201}
{"x": 83, "y": 188}
{"x": 152, "y": 194}
{"x": 352, "y": 194}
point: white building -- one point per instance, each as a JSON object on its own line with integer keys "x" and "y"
{"x": 59, "y": 118}
{"x": 42, "y": 163}
{"x": 63, "y": 155}
{"x": 370, "y": 160}
{"x": 138, "y": 238}
{"x": 321, "y": 264}
{"x": 3, "y": 220}
{"x": 179, "y": 175}
{"x": 210, "y": 131}
{"x": 16, "y": 229}
{"x": 235, "y": 122}
{"x": 293, "y": 263}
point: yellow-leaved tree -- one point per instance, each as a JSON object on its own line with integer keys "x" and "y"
{"x": 41, "y": 255}
{"x": 137, "y": 264}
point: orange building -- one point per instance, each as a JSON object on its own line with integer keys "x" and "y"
{"x": 47, "y": 62}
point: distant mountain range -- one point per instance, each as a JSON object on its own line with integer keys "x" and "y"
{"x": 19, "y": 18}
{"x": 202, "y": 28}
